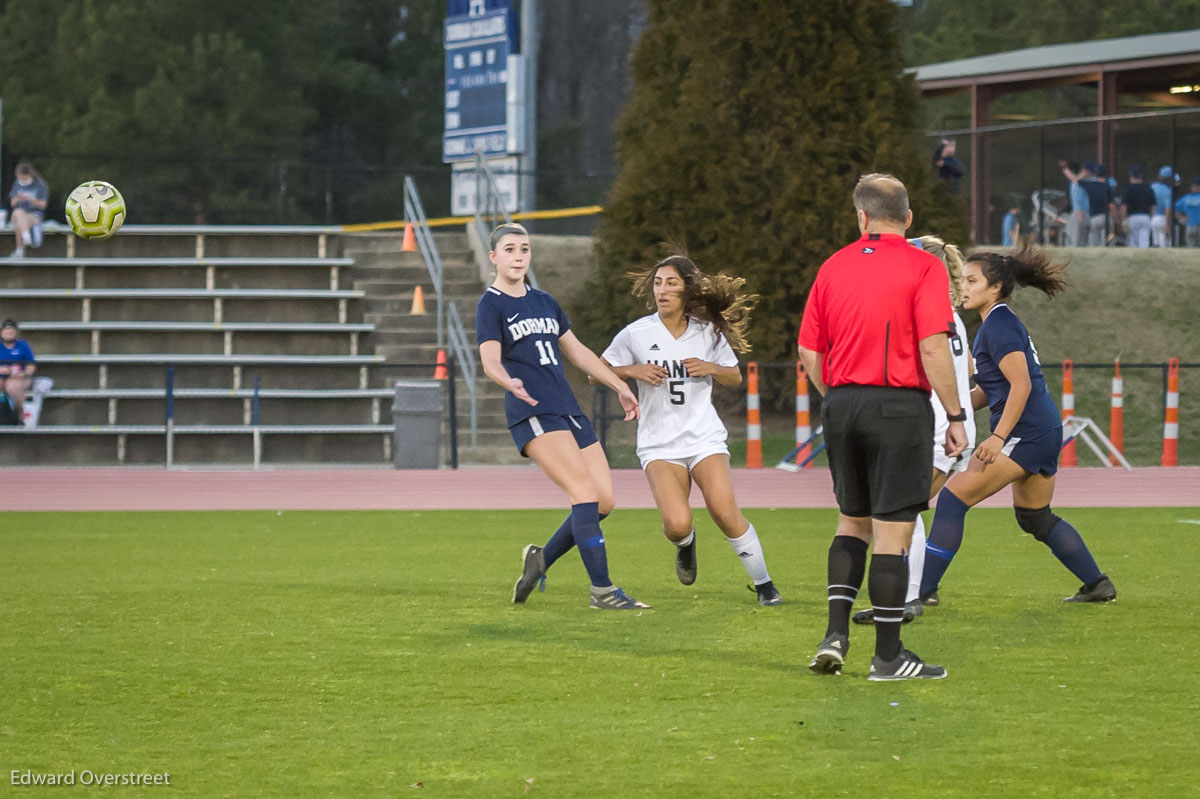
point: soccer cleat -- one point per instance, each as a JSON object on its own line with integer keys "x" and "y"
{"x": 1101, "y": 590}
{"x": 905, "y": 666}
{"x": 931, "y": 601}
{"x": 911, "y": 611}
{"x": 615, "y": 600}
{"x": 831, "y": 654}
{"x": 533, "y": 572}
{"x": 768, "y": 594}
{"x": 685, "y": 562}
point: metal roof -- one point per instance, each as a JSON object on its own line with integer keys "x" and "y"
{"x": 1064, "y": 56}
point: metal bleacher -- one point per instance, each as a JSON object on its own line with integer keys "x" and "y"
{"x": 106, "y": 321}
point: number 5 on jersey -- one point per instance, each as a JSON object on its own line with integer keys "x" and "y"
{"x": 546, "y": 353}
{"x": 675, "y": 388}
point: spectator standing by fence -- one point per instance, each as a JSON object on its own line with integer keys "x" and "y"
{"x": 1077, "y": 217}
{"x": 1187, "y": 209}
{"x": 1100, "y": 204}
{"x": 1139, "y": 205}
{"x": 948, "y": 167}
{"x": 1160, "y": 221}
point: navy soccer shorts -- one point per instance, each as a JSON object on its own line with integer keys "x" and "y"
{"x": 527, "y": 430}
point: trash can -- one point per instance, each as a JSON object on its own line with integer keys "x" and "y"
{"x": 417, "y": 414}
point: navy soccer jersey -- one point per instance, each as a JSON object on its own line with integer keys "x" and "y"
{"x": 1000, "y": 334}
{"x": 528, "y": 329}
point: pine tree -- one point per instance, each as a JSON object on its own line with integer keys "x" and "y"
{"x": 748, "y": 125}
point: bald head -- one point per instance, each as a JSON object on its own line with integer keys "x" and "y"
{"x": 882, "y": 199}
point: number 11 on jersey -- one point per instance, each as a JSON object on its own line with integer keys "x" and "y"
{"x": 546, "y": 353}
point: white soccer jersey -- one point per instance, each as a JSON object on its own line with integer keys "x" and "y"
{"x": 678, "y": 417}
{"x": 962, "y": 376}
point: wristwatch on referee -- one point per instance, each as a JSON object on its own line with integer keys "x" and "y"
{"x": 961, "y": 416}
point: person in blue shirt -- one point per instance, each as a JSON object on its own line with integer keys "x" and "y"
{"x": 17, "y": 366}
{"x": 1160, "y": 224}
{"x": 1188, "y": 212}
{"x": 1075, "y": 234}
{"x": 1010, "y": 228}
{"x": 1027, "y": 432}
{"x": 522, "y": 335}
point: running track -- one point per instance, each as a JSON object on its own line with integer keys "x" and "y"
{"x": 493, "y": 487}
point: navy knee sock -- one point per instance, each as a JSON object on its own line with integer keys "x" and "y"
{"x": 945, "y": 537}
{"x": 1067, "y": 545}
{"x": 846, "y": 566}
{"x": 562, "y": 541}
{"x": 585, "y": 527}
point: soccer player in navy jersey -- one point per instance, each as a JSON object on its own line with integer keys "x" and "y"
{"x": 521, "y": 333}
{"x": 1027, "y": 434}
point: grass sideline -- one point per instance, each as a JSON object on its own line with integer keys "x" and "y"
{"x": 377, "y": 654}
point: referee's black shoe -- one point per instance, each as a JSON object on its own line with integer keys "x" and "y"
{"x": 685, "y": 562}
{"x": 831, "y": 654}
{"x": 905, "y": 666}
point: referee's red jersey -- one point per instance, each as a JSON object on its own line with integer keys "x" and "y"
{"x": 871, "y": 304}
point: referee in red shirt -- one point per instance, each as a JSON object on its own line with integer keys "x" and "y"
{"x": 874, "y": 341}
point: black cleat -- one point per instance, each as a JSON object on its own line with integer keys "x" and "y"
{"x": 1101, "y": 590}
{"x": 615, "y": 599}
{"x": 931, "y": 601}
{"x": 911, "y": 611}
{"x": 906, "y": 666}
{"x": 533, "y": 572}
{"x": 685, "y": 562}
{"x": 768, "y": 594}
{"x": 831, "y": 654}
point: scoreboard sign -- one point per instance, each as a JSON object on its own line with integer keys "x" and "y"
{"x": 477, "y": 49}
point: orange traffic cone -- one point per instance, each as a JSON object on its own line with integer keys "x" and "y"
{"x": 418, "y": 305}
{"x": 410, "y": 241}
{"x": 440, "y": 372}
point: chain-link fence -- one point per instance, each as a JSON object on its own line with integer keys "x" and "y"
{"x": 1023, "y": 163}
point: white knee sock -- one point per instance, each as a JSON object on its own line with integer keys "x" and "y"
{"x": 750, "y": 551}
{"x": 916, "y": 561}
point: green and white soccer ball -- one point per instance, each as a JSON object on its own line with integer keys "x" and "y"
{"x": 95, "y": 210}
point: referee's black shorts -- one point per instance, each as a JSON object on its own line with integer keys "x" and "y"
{"x": 880, "y": 445}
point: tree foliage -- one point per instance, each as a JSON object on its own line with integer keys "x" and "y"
{"x": 748, "y": 126}
{"x": 197, "y": 105}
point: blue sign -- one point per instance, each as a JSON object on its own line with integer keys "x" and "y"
{"x": 476, "y": 119}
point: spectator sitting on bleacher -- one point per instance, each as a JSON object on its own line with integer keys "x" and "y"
{"x": 16, "y": 369}
{"x": 28, "y": 196}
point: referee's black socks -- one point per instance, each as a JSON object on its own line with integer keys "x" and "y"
{"x": 887, "y": 585}
{"x": 847, "y": 564}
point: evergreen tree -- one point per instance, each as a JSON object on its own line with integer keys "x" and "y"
{"x": 748, "y": 126}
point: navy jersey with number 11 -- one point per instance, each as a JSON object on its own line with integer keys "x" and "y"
{"x": 528, "y": 329}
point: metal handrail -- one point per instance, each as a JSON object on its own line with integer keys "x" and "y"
{"x": 414, "y": 214}
{"x": 461, "y": 346}
{"x": 489, "y": 208}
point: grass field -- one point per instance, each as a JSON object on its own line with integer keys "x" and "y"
{"x": 377, "y": 654}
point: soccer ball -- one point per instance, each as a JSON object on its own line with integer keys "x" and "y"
{"x": 95, "y": 210}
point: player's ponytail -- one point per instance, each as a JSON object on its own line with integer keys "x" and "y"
{"x": 952, "y": 257}
{"x": 1025, "y": 267}
{"x": 716, "y": 299}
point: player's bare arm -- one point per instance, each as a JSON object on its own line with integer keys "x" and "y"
{"x": 592, "y": 365}
{"x": 728, "y": 376}
{"x": 1016, "y": 371}
{"x": 813, "y": 362}
{"x": 493, "y": 367}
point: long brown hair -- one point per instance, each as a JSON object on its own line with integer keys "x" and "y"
{"x": 1027, "y": 266}
{"x": 716, "y": 299}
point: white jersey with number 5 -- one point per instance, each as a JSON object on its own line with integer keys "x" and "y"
{"x": 678, "y": 417}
